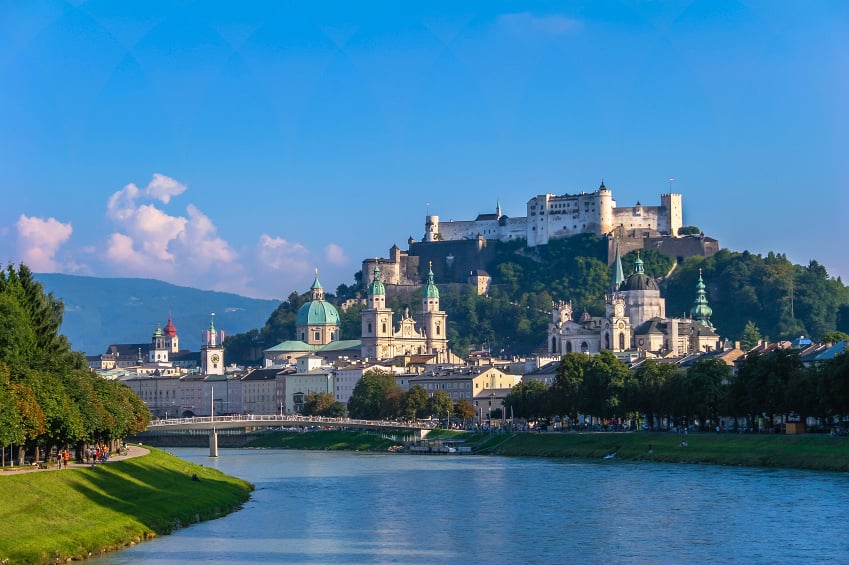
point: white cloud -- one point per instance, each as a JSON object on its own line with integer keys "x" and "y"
{"x": 39, "y": 240}
{"x": 150, "y": 241}
{"x": 335, "y": 255}
{"x": 277, "y": 254}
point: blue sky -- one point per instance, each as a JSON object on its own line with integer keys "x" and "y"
{"x": 238, "y": 146}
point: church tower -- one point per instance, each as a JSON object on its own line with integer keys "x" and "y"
{"x": 158, "y": 351}
{"x": 172, "y": 342}
{"x": 617, "y": 332}
{"x": 376, "y": 335}
{"x": 433, "y": 319}
{"x": 212, "y": 350}
{"x": 700, "y": 311}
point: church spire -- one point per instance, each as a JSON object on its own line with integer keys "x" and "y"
{"x": 498, "y": 209}
{"x": 700, "y": 310}
{"x": 618, "y": 273}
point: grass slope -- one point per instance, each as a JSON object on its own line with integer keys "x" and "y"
{"x": 754, "y": 450}
{"x": 818, "y": 452}
{"x": 53, "y": 516}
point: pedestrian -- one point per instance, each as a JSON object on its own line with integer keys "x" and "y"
{"x": 66, "y": 456}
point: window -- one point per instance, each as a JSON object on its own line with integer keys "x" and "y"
{"x": 369, "y": 327}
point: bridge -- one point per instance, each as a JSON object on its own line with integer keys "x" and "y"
{"x": 248, "y": 421}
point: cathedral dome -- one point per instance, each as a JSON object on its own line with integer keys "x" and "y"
{"x": 639, "y": 281}
{"x": 317, "y": 312}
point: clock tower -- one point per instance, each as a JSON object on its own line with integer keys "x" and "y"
{"x": 212, "y": 350}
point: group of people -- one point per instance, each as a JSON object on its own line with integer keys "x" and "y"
{"x": 62, "y": 458}
{"x": 96, "y": 454}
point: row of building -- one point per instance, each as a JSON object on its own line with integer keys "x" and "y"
{"x": 175, "y": 382}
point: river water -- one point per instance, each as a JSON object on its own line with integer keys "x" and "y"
{"x": 343, "y": 507}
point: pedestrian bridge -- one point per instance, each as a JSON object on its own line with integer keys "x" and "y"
{"x": 250, "y": 421}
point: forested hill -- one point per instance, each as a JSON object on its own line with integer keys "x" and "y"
{"x": 780, "y": 299}
{"x": 100, "y": 311}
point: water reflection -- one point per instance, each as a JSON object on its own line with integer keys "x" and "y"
{"x": 321, "y": 507}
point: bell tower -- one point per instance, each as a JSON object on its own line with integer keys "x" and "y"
{"x": 212, "y": 350}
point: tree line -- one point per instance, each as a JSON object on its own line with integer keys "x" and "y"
{"x": 48, "y": 396}
{"x": 769, "y": 387}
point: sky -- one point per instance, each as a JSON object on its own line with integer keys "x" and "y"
{"x": 239, "y": 146}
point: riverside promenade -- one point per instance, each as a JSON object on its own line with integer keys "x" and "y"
{"x": 132, "y": 451}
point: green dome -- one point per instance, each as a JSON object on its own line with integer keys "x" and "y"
{"x": 317, "y": 312}
{"x": 376, "y": 287}
{"x": 430, "y": 289}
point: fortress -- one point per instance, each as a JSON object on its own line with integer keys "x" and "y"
{"x": 460, "y": 250}
{"x": 555, "y": 217}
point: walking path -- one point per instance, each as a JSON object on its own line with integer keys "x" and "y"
{"x": 132, "y": 451}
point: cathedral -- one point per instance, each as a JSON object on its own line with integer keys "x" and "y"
{"x": 634, "y": 321}
{"x": 380, "y": 339}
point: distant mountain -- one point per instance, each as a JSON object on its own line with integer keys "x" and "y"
{"x": 101, "y": 311}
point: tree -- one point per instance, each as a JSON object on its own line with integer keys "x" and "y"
{"x": 317, "y": 403}
{"x": 644, "y": 392}
{"x": 834, "y": 337}
{"x": 604, "y": 382}
{"x": 368, "y": 397}
{"x": 440, "y": 403}
{"x": 706, "y": 380}
{"x": 750, "y": 337}
{"x": 528, "y": 400}
{"x": 689, "y": 230}
{"x": 565, "y": 393}
{"x": 414, "y": 405}
{"x": 464, "y": 409}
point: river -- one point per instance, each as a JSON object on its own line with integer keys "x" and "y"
{"x": 342, "y": 507}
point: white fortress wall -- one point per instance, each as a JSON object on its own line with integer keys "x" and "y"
{"x": 451, "y": 231}
{"x": 513, "y": 228}
{"x": 638, "y": 217}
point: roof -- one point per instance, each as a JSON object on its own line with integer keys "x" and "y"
{"x": 317, "y": 312}
{"x": 291, "y": 345}
{"x": 341, "y": 345}
{"x": 834, "y": 351}
{"x": 262, "y": 375}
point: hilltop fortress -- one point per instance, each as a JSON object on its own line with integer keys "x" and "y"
{"x": 460, "y": 250}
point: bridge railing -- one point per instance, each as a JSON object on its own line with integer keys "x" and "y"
{"x": 288, "y": 418}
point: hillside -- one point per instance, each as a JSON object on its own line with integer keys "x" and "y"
{"x": 100, "y": 311}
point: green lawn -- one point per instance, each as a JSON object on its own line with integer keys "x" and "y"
{"x": 758, "y": 450}
{"x": 49, "y": 516}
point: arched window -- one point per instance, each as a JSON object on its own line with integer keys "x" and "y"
{"x": 568, "y": 347}
{"x": 622, "y": 341}
{"x": 606, "y": 340}
{"x": 369, "y": 327}
{"x": 554, "y": 345}
{"x": 584, "y": 347}
{"x": 383, "y": 328}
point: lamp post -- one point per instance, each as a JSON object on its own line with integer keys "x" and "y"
{"x": 491, "y": 400}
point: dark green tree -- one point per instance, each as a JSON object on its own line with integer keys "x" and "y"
{"x": 370, "y": 395}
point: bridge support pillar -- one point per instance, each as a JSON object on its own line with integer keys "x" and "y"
{"x": 421, "y": 434}
{"x": 213, "y": 443}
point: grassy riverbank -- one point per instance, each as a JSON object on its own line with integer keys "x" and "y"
{"x": 52, "y": 516}
{"x": 816, "y": 452}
